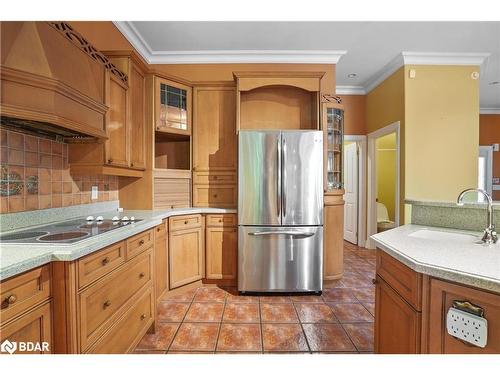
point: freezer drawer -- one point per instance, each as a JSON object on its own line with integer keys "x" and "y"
{"x": 280, "y": 259}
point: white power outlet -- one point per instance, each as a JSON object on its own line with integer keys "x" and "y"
{"x": 95, "y": 192}
{"x": 467, "y": 327}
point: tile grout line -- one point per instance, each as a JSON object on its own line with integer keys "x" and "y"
{"x": 220, "y": 324}
{"x": 182, "y": 321}
{"x": 302, "y": 328}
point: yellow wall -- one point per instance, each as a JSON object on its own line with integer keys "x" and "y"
{"x": 442, "y": 131}
{"x": 386, "y": 172}
{"x": 385, "y": 105}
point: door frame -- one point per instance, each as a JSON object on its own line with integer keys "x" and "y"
{"x": 372, "y": 179}
{"x": 361, "y": 143}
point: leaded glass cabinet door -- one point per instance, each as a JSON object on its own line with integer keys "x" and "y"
{"x": 171, "y": 107}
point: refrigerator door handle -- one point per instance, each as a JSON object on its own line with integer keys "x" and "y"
{"x": 278, "y": 178}
{"x": 283, "y": 182}
{"x": 283, "y": 232}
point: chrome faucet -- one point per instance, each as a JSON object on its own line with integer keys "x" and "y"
{"x": 490, "y": 235}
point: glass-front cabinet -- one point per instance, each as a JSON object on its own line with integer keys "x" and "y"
{"x": 172, "y": 101}
{"x": 333, "y": 126}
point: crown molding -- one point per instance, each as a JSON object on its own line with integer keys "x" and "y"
{"x": 134, "y": 37}
{"x": 489, "y": 111}
{"x": 424, "y": 58}
{"x": 225, "y": 56}
{"x": 350, "y": 90}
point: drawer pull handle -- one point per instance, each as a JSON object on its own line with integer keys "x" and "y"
{"x": 143, "y": 316}
{"x": 131, "y": 164}
{"x": 220, "y": 220}
{"x": 106, "y": 304}
{"x": 141, "y": 242}
{"x": 105, "y": 261}
{"x": 185, "y": 222}
{"x": 215, "y": 195}
{"x": 141, "y": 275}
{"x": 11, "y": 299}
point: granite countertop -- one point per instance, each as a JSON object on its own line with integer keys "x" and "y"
{"x": 453, "y": 257}
{"x": 18, "y": 258}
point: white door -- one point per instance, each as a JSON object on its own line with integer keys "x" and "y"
{"x": 485, "y": 170}
{"x": 351, "y": 193}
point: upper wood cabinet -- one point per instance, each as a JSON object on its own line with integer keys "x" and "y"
{"x": 214, "y": 130}
{"x": 172, "y": 107}
{"x": 59, "y": 71}
{"x": 116, "y": 146}
{"x": 123, "y": 153}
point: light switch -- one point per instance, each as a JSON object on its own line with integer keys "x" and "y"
{"x": 496, "y": 146}
{"x": 95, "y": 192}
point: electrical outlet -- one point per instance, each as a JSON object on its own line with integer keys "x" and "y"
{"x": 467, "y": 327}
{"x": 496, "y": 146}
{"x": 95, "y": 192}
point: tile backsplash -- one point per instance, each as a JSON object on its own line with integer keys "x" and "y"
{"x": 35, "y": 175}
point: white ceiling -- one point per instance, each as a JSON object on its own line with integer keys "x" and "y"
{"x": 368, "y": 46}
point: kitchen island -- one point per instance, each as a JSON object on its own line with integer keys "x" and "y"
{"x": 422, "y": 271}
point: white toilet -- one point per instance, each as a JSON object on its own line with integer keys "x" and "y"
{"x": 383, "y": 221}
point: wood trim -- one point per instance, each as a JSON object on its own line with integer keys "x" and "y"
{"x": 172, "y": 173}
{"x": 92, "y": 169}
{"x": 79, "y": 41}
{"x": 308, "y": 81}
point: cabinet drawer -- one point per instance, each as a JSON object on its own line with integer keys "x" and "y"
{"x": 401, "y": 278}
{"x": 161, "y": 230}
{"x": 140, "y": 242}
{"x": 184, "y": 222}
{"x": 123, "y": 336}
{"x": 93, "y": 266}
{"x": 21, "y": 292}
{"x": 214, "y": 195}
{"x": 35, "y": 327}
{"x": 214, "y": 178}
{"x": 100, "y": 303}
{"x": 224, "y": 220}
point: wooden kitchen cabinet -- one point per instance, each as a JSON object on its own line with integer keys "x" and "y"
{"x": 172, "y": 103}
{"x": 214, "y": 147}
{"x": 161, "y": 259}
{"x": 34, "y": 327}
{"x": 221, "y": 247}
{"x": 333, "y": 244}
{"x": 397, "y": 324}
{"x": 116, "y": 147}
{"x": 124, "y": 152}
{"x": 186, "y": 249}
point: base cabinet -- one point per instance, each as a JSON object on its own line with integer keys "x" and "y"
{"x": 333, "y": 241}
{"x": 221, "y": 247}
{"x": 161, "y": 259}
{"x": 32, "y": 327}
{"x": 186, "y": 243}
{"x": 397, "y": 324}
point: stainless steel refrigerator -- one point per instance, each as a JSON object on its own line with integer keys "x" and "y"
{"x": 280, "y": 211}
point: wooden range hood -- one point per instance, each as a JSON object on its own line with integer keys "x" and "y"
{"x": 50, "y": 74}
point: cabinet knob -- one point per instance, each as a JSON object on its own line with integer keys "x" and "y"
{"x": 374, "y": 281}
{"x": 110, "y": 161}
{"x": 105, "y": 261}
{"x": 11, "y": 299}
{"x": 141, "y": 275}
{"x": 131, "y": 164}
{"x": 106, "y": 304}
{"x": 172, "y": 206}
{"x": 158, "y": 229}
{"x": 215, "y": 195}
{"x": 141, "y": 242}
{"x": 143, "y": 316}
{"x": 220, "y": 220}
{"x": 185, "y": 222}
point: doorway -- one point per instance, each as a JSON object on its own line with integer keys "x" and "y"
{"x": 485, "y": 171}
{"x": 354, "y": 169}
{"x": 383, "y": 202}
